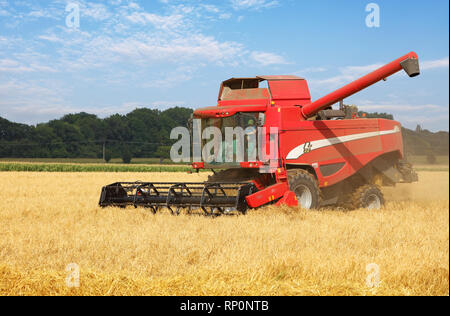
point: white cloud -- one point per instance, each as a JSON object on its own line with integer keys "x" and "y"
{"x": 115, "y": 2}
{"x": 402, "y": 107}
{"x": 4, "y": 12}
{"x": 42, "y": 68}
{"x": 346, "y": 75}
{"x": 51, "y": 38}
{"x": 356, "y": 71}
{"x": 129, "y": 106}
{"x": 136, "y": 37}
{"x": 170, "y": 79}
{"x": 96, "y": 11}
{"x": 211, "y": 8}
{"x": 173, "y": 43}
{"x": 147, "y": 49}
{"x": 225, "y": 16}
{"x": 14, "y": 66}
{"x": 170, "y": 22}
{"x": 267, "y": 59}
{"x": 433, "y": 64}
{"x": 29, "y": 101}
{"x": 253, "y": 4}
{"x": 351, "y": 73}
{"x": 36, "y": 111}
{"x": 422, "y": 119}
{"x": 133, "y": 5}
{"x": 40, "y": 14}
{"x": 310, "y": 70}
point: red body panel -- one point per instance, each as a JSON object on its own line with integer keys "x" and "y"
{"x": 289, "y": 198}
{"x": 267, "y": 195}
{"x": 290, "y": 90}
{"x": 352, "y": 143}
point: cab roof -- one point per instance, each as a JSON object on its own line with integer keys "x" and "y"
{"x": 262, "y": 78}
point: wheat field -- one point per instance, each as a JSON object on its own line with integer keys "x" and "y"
{"x": 50, "y": 220}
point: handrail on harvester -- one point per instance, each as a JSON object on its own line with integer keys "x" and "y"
{"x": 408, "y": 62}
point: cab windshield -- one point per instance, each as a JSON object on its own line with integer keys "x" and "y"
{"x": 243, "y": 120}
{"x": 236, "y": 142}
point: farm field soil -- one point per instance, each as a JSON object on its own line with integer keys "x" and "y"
{"x": 49, "y": 220}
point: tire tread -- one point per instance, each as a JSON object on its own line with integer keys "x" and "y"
{"x": 296, "y": 175}
{"x": 357, "y": 197}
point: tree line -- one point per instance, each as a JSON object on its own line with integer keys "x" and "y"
{"x": 142, "y": 133}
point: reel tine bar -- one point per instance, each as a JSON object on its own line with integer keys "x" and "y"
{"x": 209, "y": 197}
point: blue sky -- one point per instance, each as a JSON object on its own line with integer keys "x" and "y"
{"x": 161, "y": 53}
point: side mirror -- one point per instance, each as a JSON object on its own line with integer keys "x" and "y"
{"x": 261, "y": 119}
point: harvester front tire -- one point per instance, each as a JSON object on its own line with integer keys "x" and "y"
{"x": 369, "y": 197}
{"x": 306, "y": 188}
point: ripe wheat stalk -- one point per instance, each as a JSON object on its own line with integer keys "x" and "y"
{"x": 49, "y": 220}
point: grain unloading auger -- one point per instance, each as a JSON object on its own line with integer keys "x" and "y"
{"x": 323, "y": 157}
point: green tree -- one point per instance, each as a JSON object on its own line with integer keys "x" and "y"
{"x": 163, "y": 152}
{"x": 126, "y": 155}
{"x": 107, "y": 156}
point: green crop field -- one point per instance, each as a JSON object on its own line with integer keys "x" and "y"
{"x": 135, "y": 161}
{"x": 67, "y": 167}
{"x": 147, "y": 165}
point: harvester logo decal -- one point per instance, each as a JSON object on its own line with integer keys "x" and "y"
{"x": 308, "y": 147}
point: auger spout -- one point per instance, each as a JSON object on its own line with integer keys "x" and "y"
{"x": 408, "y": 62}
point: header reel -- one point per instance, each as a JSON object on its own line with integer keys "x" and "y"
{"x": 211, "y": 198}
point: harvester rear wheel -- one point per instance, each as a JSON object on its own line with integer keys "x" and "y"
{"x": 368, "y": 196}
{"x": 306, "y": 188}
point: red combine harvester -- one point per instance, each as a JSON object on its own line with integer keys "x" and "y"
{"x": 324, "y": 156}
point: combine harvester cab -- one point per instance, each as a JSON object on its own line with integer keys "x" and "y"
{"x": 323, "y": 156}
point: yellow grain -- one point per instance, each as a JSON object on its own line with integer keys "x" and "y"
{"x": 50, "y": 220}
